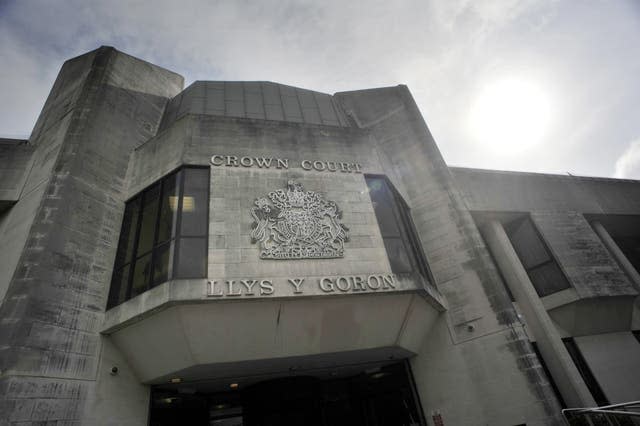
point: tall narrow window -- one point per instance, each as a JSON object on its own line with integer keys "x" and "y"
{"x": 398, "y": 232}
{"x": 164, "y": 234}
{"x": 543, "y": 270}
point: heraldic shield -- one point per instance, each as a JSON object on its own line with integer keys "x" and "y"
{"x": 297, "y": 224}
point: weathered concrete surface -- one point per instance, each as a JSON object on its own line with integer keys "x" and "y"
{"x": 602, "y": 297}
{"x": 558, "y": 205}
{"x": 15, "y": 158}
{"x": 492, "y": 190}
{"x": 484, "y": 378}
{"x": 562, "y": 368}
{"x": 262, "y": 331}
{"x": 463, "y": 271}
{"x": 257, "y": 100}
{"x": 589, "y": 266}
{"x": 613, "y": 360}
{"x": 103, "y": 105}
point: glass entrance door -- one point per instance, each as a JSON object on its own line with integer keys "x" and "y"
{"x": 380, "y": 397}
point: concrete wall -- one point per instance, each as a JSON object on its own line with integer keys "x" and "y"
{"x": 590, "y": 268}
{"x": 480, "y": 317}
{"x": 254, "y": 99}
{"x": 389, "y": 138}
{"x": 602, "y": 298}
{"x": 492, "y": 190}
{"x": 613, "y": 360}
{"x": 15, "y": 158}
{"x": 103, "y": 104}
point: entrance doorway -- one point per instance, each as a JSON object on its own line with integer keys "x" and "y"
{"x": 383, "y": 396}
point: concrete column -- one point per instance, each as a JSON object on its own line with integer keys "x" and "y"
{"x": 618, "y": 255}
{"x": 561, "y": 366}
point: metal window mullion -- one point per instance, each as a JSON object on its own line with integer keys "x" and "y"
{"x": 154, "y": 244}
{"x": 176, "y": 246}
{"x": 546, "y": 262}
{"x": 401, "y": 210}
{"x": 135, "y": 247}
{"x": 206, "y": 235}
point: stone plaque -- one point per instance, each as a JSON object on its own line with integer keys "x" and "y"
{"x": 297, "y": 224}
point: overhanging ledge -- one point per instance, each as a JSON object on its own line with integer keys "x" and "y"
{"x": 179, "y": 336}
{"x": 194, "y": 291}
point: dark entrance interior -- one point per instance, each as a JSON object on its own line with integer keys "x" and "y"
{"x": 382, "y": 396}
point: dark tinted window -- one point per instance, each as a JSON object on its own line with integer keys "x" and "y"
{"x": 585, "y": 371}
{"x": 543, "y": 270}
{"x": 396, "y": 227}
{"x": 630, "y": 246}
{"x": 166, "y": 227}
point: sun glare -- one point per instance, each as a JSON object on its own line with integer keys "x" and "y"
{"x": 510, "y": 116}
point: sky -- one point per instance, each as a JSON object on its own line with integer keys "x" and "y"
{"x": 540, "y": 86}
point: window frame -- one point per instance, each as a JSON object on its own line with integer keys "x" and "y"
{"x": 172, "y": 241}
{"x": 406, "y": 227}
{"x": 552, "y": 260}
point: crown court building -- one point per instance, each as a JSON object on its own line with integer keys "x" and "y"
{"x": 251, "y": 253}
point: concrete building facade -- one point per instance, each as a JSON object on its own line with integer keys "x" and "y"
{"x": 251, "y": 253}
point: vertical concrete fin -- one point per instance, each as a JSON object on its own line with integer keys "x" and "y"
{"x": 103, "y": 104}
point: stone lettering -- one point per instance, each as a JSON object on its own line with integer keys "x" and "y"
{"x": 266, "y": 287}
{"x": 336, "y": 284}
{"x": 249, "y": 285}
{"x": 358, "y": 283}
{"x": 215, "y": 158}
{"x": 343, "y": 284}
{"x": 319, "y": 166}
{"x": 230, "y": 292}
{"x": 388, "y": 281}
{"x": 370, "y": 282}
{"x": 211, "y": 289}
{"x": 283, "y": 163}
{"x": 263, "y": 162}
{"x": 326, "y": 284}
{"x": 296, "y": 282}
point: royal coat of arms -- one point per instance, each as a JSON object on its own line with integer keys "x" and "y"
{"x": 297, "y": 224}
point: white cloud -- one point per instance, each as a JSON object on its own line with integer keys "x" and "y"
{"x": 444, "y": 51}
{"x": 628, "y": 164}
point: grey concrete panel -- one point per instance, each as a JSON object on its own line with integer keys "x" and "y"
{"x": 613, "y": 360}
{"x": 306, "y": 99}
{"x": 234, "y": 108}
{"x": 271, "y": 93}
{"x": 274, "y": 112}
{"x": 256, "y": 100}
{"x": 472, "y": 384}
{"x": 291, "y": 108}
{"x": 234, "y": 91}
{"x": 594, "y": 316}
{"x": 326, "y": 109}
{"x": 264, "y": 330}
{"x": 15, "y": 162}
{"x": 254, "y": 104}
{"x": 311, "y": 116}
{"x": 215, "y": 99}
{"x": 584, "y": 259}
{"x": 492, "y": 190}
